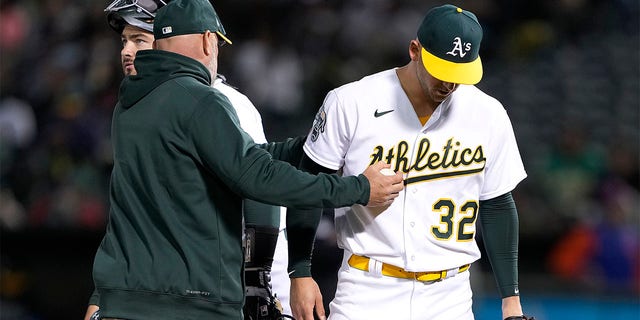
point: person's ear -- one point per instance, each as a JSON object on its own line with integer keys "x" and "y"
{"x": 154, "y": 46}
{"x": 414, "y": 50}
{"x": 207, "y": 42}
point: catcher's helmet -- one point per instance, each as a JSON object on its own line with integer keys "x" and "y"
{"x": 138, "y": 13}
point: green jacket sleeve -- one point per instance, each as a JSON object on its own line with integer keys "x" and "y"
{"x": 499, "y": 221}
{"x": 228, "y": 152}
{"x": 95, "y": 298}
{"x": 289, "y": 150}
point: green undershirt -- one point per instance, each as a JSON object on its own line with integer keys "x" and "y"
{"x": 301, "y": 228}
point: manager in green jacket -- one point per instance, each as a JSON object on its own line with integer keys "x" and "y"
{"x": 182, "y": 166}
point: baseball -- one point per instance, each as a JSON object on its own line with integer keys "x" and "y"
{"x": 388, "y": 172}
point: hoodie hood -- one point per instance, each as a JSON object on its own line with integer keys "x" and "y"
{"x": 155, "y": 67}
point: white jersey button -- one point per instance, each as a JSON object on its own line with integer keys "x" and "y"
{"x": 413, "y": 258}
{"x": 412, "y": 224}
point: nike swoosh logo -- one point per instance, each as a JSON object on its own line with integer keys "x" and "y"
{"x": 380, "y": 114}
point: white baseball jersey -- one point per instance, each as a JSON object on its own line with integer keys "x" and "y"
{"x": 465, "y": 152}
{"x": 251, "y": 122}
{"x": 250, "y": 119}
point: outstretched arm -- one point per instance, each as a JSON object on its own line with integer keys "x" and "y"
{"x": 288, "y": 150}
{"x": 251, "y": 172}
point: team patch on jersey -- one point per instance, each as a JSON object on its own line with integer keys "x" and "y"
{"x": 319, "y": 124}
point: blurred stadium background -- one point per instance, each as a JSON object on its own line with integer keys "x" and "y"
{"x": 567, "y": 71}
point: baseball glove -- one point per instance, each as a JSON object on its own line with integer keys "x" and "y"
{"x": 522, "y": 317}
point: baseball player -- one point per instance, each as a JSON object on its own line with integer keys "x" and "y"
{"x": 456, "y": 148}
{"x": 133, "y": 20}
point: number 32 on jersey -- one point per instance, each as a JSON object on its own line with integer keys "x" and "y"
{"x": 455, "y": 222}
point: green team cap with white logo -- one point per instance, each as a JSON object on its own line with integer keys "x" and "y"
{"x": 450, "y": 39}
{"x": 181, "y": 17}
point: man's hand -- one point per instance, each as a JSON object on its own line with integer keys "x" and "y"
{"x": 383, "y": 188}
{"x": 511, "y": 307}
{"x": 305, "y": 295}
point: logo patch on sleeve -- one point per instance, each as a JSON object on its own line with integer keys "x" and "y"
{"x": 319, "y": 124}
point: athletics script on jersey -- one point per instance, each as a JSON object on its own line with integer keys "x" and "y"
{"x": 430, "y": 163}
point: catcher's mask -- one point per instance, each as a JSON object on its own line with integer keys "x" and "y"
{"x": 138, "y": 13}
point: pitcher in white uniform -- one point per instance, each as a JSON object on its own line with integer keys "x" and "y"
{"x": 456, "y": 147}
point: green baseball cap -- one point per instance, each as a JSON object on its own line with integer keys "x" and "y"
{"x": 450, "y": 39}
{"x": 181, "y": 17}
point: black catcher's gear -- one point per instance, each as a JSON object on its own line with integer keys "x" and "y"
{"x": 138, "y": 13}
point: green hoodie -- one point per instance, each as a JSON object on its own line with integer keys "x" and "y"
{"x": 182, "y": 165}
